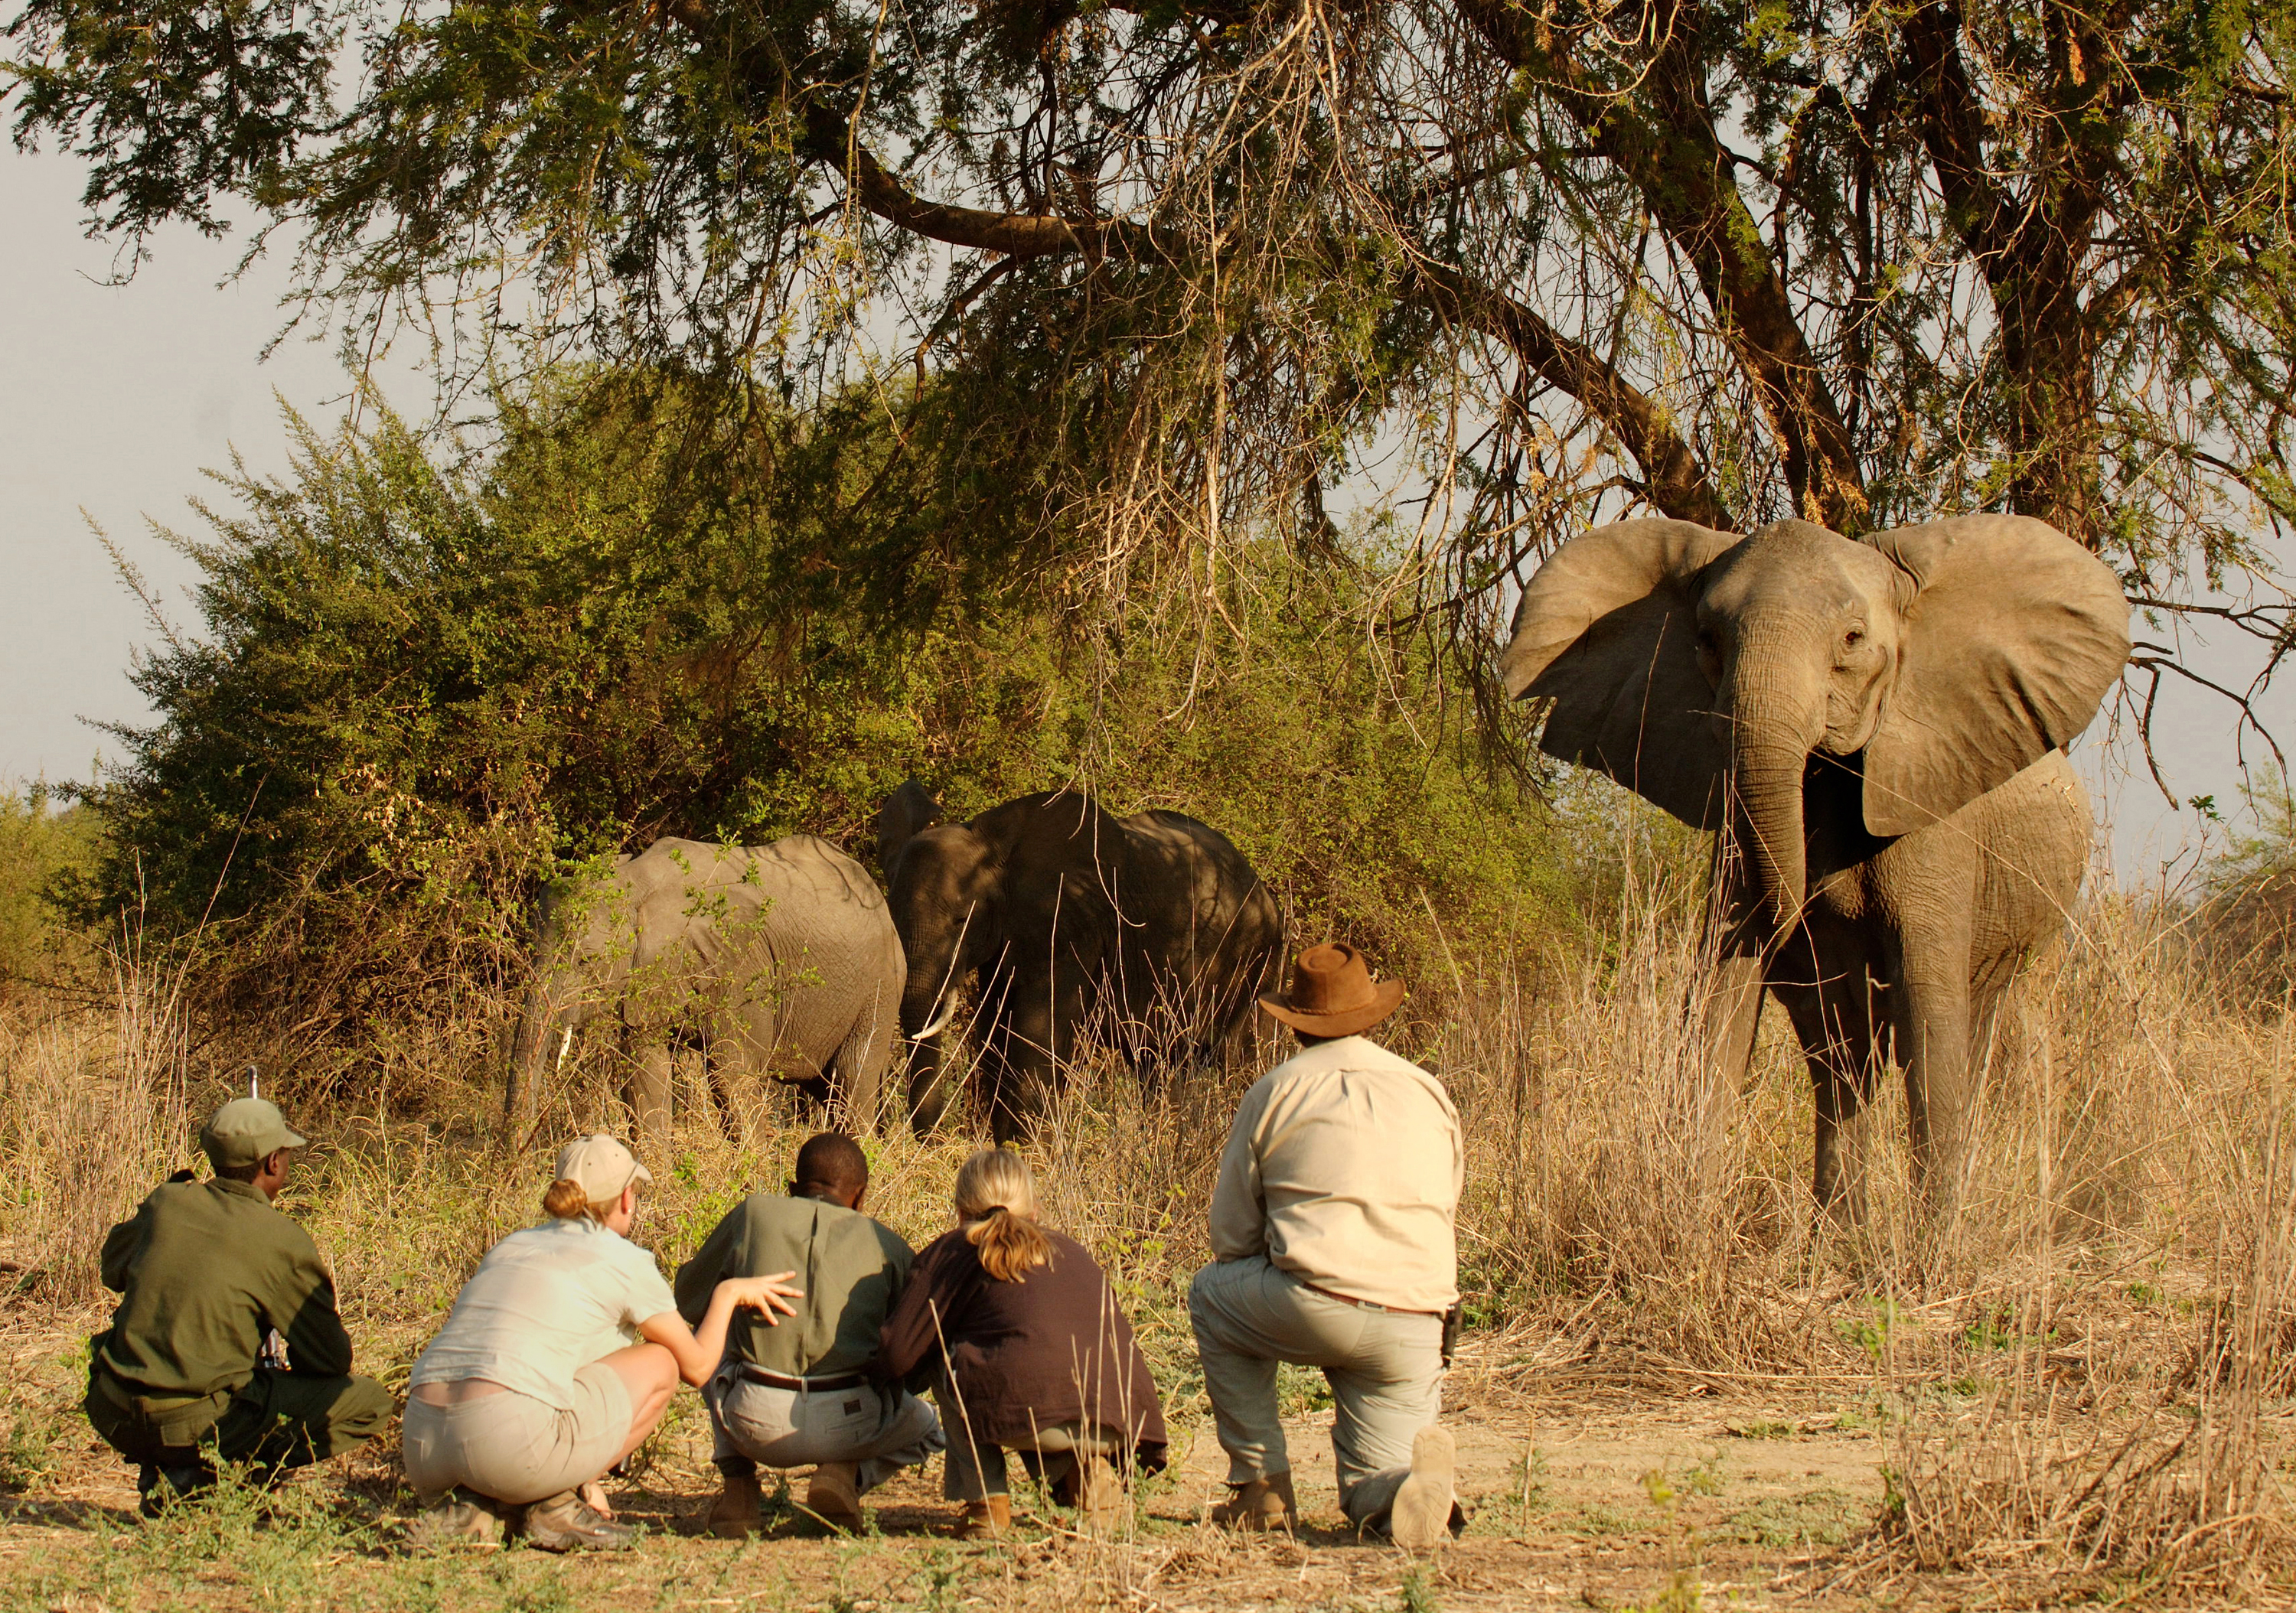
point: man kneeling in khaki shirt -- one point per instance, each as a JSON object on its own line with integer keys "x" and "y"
{"x": 1332, "y": 1231}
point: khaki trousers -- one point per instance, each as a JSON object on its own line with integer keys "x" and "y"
{"x": 512, "y": 1447}
{"x": 1385, "y": 1369}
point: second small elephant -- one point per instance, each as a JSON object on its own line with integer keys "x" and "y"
{"x": 1150, "y": 934}
{"x": 779, "y": 961}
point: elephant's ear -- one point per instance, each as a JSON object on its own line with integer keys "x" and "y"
{"x": 906, "y": 813}
{"x": 1607, "y": 630}
{"x": 2014, "y": 633}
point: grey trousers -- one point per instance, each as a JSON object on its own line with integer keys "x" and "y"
{"x": 757, "y": 1424}
{"x": 1385, "y": 1369}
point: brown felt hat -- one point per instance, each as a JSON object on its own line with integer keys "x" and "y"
{"x": 1333, "y": 994}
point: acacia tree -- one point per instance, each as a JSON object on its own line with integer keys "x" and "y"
{"x": 1724, "y": 260}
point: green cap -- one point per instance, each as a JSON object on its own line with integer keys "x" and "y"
{"x": 244, "y": 1131}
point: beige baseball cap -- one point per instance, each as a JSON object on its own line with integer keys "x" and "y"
{"x": 602, "y": 1165}
{"x": 244, "y": 1131}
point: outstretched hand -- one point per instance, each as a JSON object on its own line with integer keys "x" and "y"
{"x": 766, "y": 1295}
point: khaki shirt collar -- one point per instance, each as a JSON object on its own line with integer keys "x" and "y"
{"x": 245, "y": 1190}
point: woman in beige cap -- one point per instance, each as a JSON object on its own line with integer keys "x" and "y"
{"x": 559, "y": 1358}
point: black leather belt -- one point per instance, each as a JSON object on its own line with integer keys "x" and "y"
{"x": 804, "y": 1386}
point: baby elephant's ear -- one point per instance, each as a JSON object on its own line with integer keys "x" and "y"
{"x": 1607, "y": 630}
{"x": 2013, "y": 635}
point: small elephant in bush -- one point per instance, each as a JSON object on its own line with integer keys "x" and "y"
{"x": 780, "y": 960}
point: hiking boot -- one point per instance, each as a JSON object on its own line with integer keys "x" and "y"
{"x": 1420, "y": 1517}
{"x": 1264, "y": 1504}
{"x": 565, "y": 1522}
{"x": 459, "y": 1518}
{"x": 157, "y": 1488}
{"x": 985, "y": 1520}
{"x": 834, "y": 1495}
{"x": 737, "y": 1513}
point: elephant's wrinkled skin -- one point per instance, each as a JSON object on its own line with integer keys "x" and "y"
{"x": 780, "y": 961}
{"x": 1877, "y": 728}
{"x": 1150, "y": 933}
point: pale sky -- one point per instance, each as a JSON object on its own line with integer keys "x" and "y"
{"x": 119, "y": 396}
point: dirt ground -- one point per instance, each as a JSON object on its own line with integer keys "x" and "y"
{"x": 1757, "y": 1495}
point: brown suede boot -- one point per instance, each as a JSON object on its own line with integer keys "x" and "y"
{"x": 834, "y": 1495}
{"x": 734, "y": 1515}
{"x": 985, "y": 1520}
{"x": 1264, "y": 1504}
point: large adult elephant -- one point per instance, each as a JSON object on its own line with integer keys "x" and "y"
{"x": 1877, "y": 730}
{"x": 779, "y": 960}
{"x": 1150, "y": 934}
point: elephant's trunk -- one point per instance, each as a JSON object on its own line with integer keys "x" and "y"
{"x": 936, "y": 950}
{"x": 529, "y": 1050}
{"x": 1772, "y": 732}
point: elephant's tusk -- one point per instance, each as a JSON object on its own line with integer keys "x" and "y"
{"x": 939, "y": 1021}
{"x": 565, "y": 1046}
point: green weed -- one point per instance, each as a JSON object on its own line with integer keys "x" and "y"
{"x": 1777, "y": 1523}
{"x": 27, "y": 1455}
{"x": 1871, "y": 1333}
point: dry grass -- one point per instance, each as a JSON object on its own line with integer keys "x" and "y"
{"x": 2074, "y": 1379}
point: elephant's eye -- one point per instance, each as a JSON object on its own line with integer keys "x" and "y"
{"x": 1853, "y": 638}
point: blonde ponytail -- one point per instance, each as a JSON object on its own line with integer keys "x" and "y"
{"x": 568, "y": 1201}
{"x": 997, "y": 1207}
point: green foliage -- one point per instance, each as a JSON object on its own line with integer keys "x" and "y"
{"x": 428, "y": 682}
{"x": 1730, "y": 260}
{"x": 43, "y": 845}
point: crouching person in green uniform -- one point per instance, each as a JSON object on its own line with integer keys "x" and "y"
{"x": 226, "y": 1345}
{"x": 797, "y": 1395}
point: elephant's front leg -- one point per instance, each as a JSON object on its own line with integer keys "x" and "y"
{"x": 1931, "y": 1015}
{"x": 646, "y": 1091}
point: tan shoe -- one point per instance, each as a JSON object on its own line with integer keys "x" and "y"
{"x": 834, "y": 1495}
{"x": 1099, "y": 1495}
{"x": 1421, "y": 1518}
{"x": 1264, "y": 1504}
{"x": 985, "y": 1520}
{"x": 459, "y": 1518}
{"x": 734, "y": 1514}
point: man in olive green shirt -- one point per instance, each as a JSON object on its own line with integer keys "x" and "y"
{"x": 794, "y": 1395}
{"x": 226, "y": 1345}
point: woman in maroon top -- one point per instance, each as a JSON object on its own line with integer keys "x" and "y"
{"x": 1028, "y": 1351}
